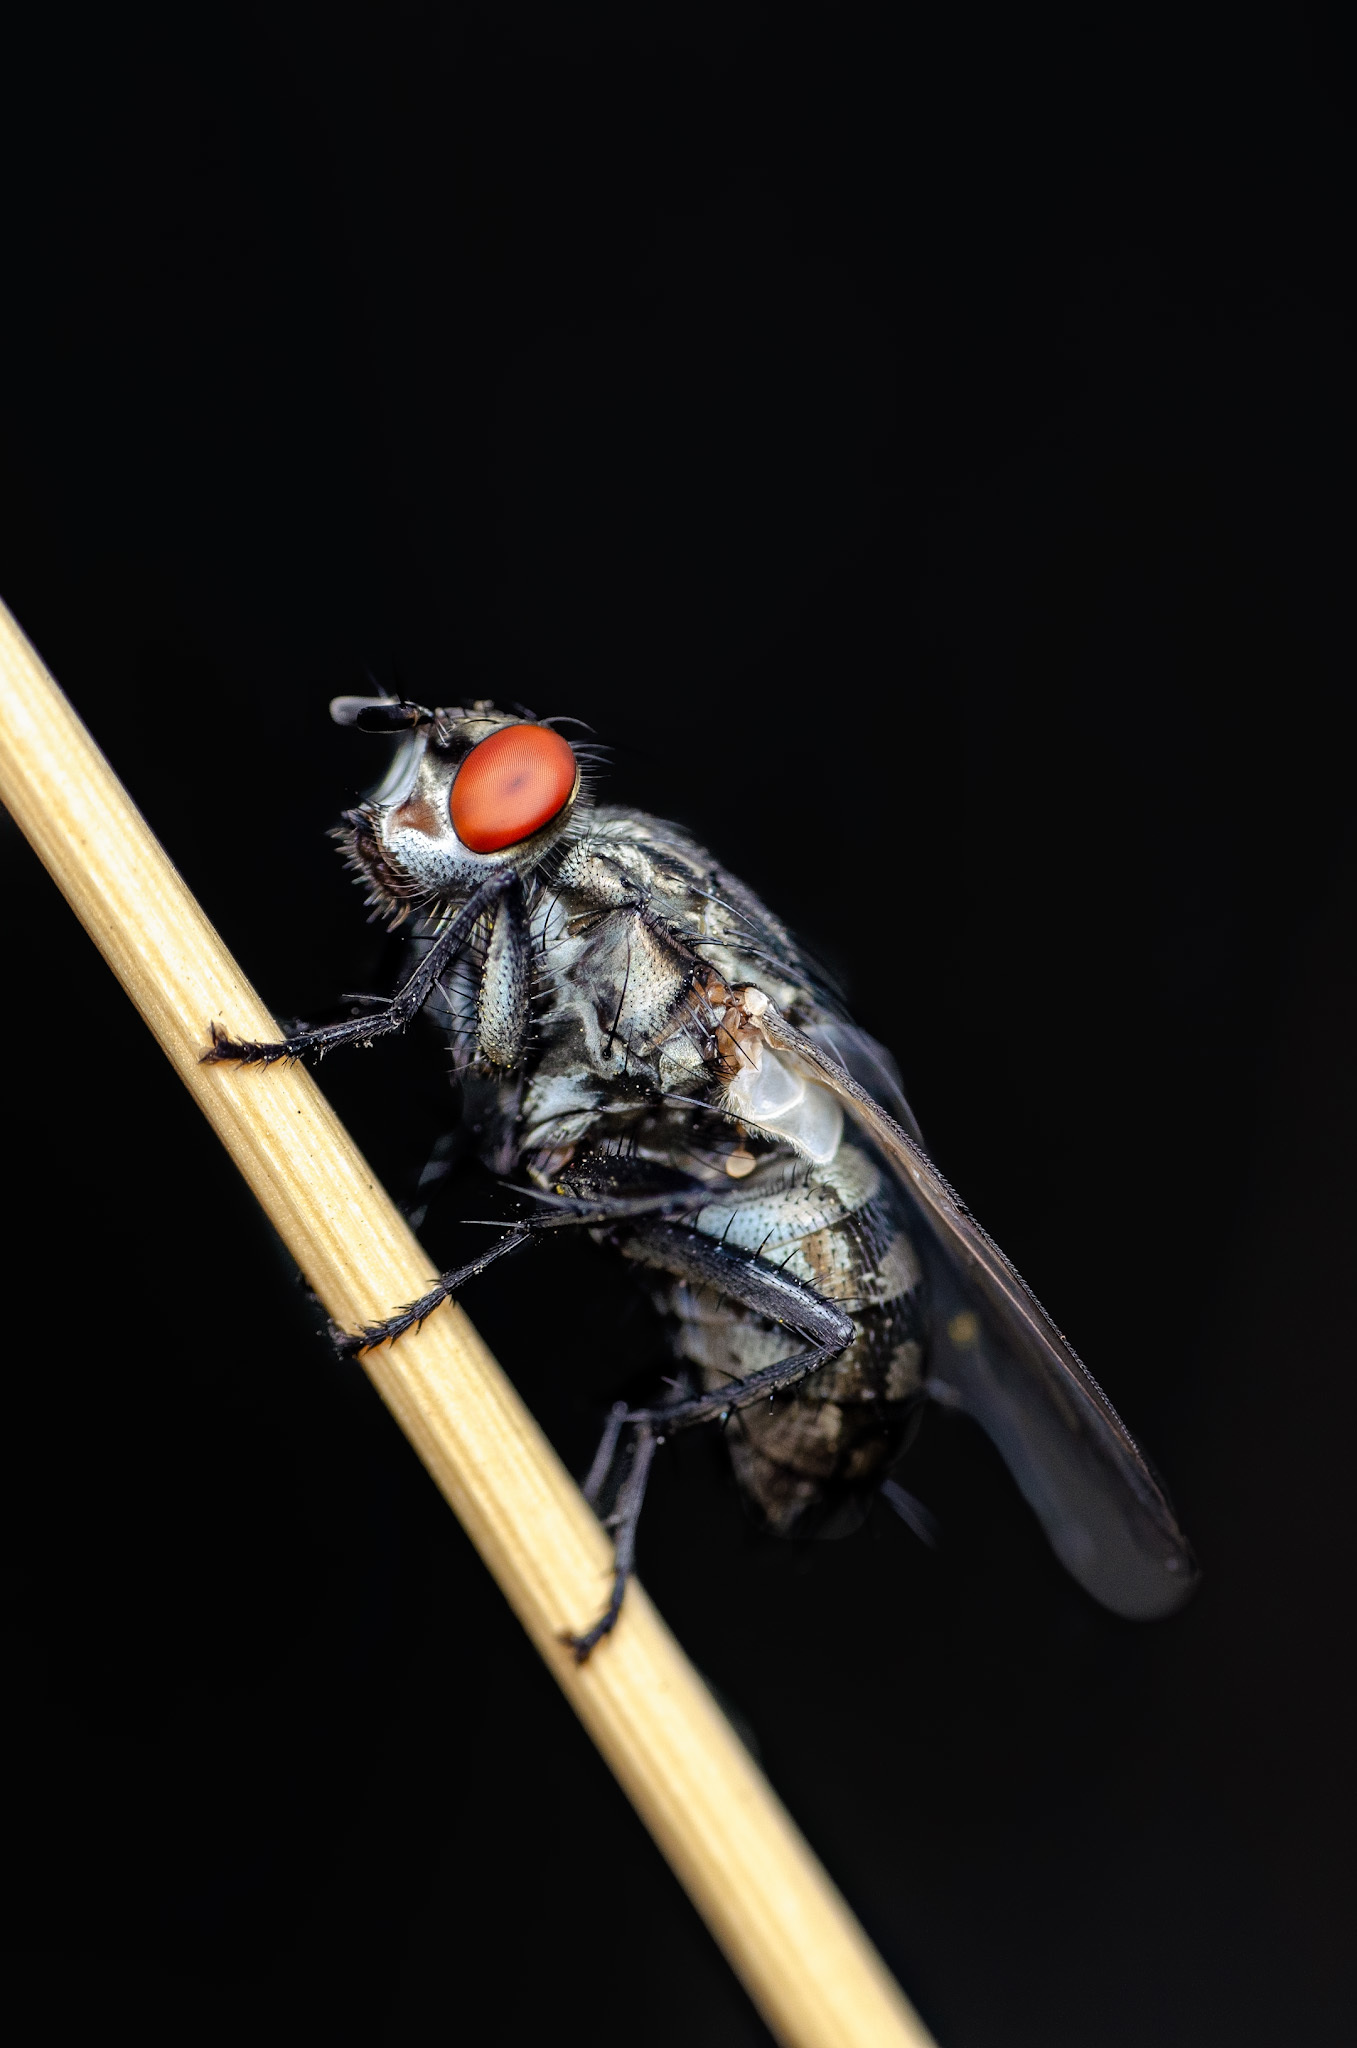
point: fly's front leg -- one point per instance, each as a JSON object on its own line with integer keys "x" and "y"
{"x": 824, "y": 1328}
{"x": 392, "y": 1015}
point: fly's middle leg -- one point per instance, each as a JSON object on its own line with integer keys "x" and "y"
{"x": 576, "y": 1215}
{"x": 446, "y": 1285}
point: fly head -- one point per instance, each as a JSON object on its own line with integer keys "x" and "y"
{"x": 472, "y": 792}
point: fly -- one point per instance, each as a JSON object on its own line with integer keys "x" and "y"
{"x": 638, "y": 1037}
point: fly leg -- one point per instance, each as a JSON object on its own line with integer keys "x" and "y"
{"x": 752, "y": 1283}
{"x": 415, "y": 1312}
{"x": 445, "y": 1155}
{"x": 622, "y": 1521}
{"x": 391, "y": 1014}
{"x": 564, "y": 1216}
{"x": 597, "y": 1479}
{"x": 741, "y": 1393}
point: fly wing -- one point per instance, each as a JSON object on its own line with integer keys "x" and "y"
{"x": 872, "y": 1067}
{"x": 997, "y": 1355}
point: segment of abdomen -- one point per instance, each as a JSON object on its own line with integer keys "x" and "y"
{"x": 835, "y": 1433}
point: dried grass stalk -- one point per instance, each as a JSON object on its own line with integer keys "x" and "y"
{"x": 787, "y": 1932}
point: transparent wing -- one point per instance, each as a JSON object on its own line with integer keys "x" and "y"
{"x": 997, "y": 1356}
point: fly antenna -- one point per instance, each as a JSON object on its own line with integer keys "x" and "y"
{"x": 379, "y": 714}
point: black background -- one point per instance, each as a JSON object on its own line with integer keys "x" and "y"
{"x": 923, "y": 447}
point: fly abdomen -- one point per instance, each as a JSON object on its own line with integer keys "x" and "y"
{"x": 807, "y": 1459}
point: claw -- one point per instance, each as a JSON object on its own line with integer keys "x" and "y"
{"x": 248, "y": 1051}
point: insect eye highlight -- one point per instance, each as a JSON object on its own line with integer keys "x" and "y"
{"x": 510, "y": 786}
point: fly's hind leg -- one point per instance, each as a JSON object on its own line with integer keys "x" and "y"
{"x": 752, "y": 1283}
{"x": 623, "y": 1522}
{"x": 446, "y": 1154}
{"x": 606, "y": 1454}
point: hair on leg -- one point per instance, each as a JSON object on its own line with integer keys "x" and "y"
{"x": 389, "y": 1014}
{"x": 414, "y": 1312}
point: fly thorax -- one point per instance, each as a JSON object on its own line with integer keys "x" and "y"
{"x": 560, "y": 1109}
{"x": 623, "y": 986}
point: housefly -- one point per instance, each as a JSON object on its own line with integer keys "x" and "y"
{"x": 644, "y": 1044}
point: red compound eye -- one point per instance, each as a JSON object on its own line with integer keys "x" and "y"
{"x": 510, "y": 786}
